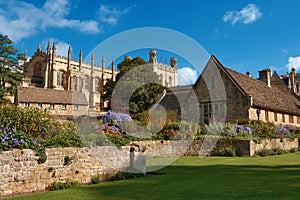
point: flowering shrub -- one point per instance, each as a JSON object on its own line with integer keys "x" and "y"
{"x": 282, "y": 132}
{"x": 119, "y": 119}
{"x": 242, "y": 129}
{"x": 114, "y": 122}
{"x": 12, "y": 139}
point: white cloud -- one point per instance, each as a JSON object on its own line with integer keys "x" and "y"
{"x": 61, "y": 46}
{"x": 294, "y": 62}
{"x": 247, "y": 15}
{"x": 110, "y": 14}
{"x": 20, "y": 20}
{"x": 187, "y": 76}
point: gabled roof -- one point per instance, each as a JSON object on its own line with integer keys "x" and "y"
{"x": 274, "y": 98}
{"x": 47, "y": 95}
{"x": 173, "y": 97}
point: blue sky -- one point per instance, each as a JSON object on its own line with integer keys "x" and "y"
{"x": 243, "y": 35}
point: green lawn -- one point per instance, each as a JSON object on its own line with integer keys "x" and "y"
{"x": 275, "y": 177}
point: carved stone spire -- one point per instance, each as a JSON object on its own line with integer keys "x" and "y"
{"x": 91, "y": 96}
{"x": 48, "y": 48}
{"x": 80, "y": 59}
{"x": 25, "y": 56}
{"x": 69, "y": 69}
{"x": 39, "y": 47}
{"x": 112, "y": 69}
{"x": 54, "y": 49}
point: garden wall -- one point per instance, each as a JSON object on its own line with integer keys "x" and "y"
{"x": 20, "y": 171}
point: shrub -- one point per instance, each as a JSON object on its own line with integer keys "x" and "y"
{"x": 271, "y": 152}
{"x": 66, "y": 185}
{"x": 266, "y": 152}
{"x": 64, "y": 140}
{"x": 293, "y": 150}
{"x": 41, "y": 152}
{"x": 95, "y": 180}
{"x": 228, "y": 151}
{"x": 32, "y": 121}
{"x": 126, "y": 175}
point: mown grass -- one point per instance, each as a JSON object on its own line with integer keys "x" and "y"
{"x": 274, "y": 177}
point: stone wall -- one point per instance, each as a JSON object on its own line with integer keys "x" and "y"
{"x": 20, "y": 171}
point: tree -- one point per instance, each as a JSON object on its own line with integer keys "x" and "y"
{"x": 143, "y": 97}
{"x": 11, "y": 70}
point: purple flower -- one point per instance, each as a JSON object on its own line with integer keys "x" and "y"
{"x": 242, "y": 129}
{"x": 282, "y": 130}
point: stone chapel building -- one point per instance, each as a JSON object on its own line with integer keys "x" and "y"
{"x": 69, "y": 88}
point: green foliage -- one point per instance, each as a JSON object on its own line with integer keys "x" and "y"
{"x": 95, "y": 180}
{"x": 10, "y": 139}
{"x": 67, "y": 160}
{"x": 41, "y": 152}
{"x": 32, "y": 121}
{"x": 294, "y": 150}
{"x": 144, "y": 95}
{"x": 64, "y": 140}
{"x": 271, "y": 152}
{"x": 228, "y": 151}
{"x": 118, "y": 140}
{"x": 126, "y": 175}
{"x": 11, "y": 72}
{"x": 66, "y": 185}
{"x": 259, "y": 128}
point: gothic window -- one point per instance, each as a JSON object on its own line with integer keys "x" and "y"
{"x": 37, "y": 70}
{"x": 60, "y": 78}
{"x": 80, "y": 84}
{"x": 86, "y": 83}
{"x": 97, "y": 84}
{"x": 74, "y": 83}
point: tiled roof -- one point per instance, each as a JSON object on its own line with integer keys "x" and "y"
{"x": 276, "y": 97}
{"x": 175, "y": 97}
{"x": 47, "y": 95}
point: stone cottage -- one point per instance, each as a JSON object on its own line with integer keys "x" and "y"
{"x": 225, "y": 95}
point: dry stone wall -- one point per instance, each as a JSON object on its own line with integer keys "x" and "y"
{"x": 20, "y": 171}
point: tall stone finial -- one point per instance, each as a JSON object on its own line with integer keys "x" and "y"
{"x": 39, "y": 47}
{"x": 54, "y": 49}
{"x": 112, "y": 69}
{"x": 103, "y": 63}
{"x": 80, "y": 59}
{"x": 152, "y": 56}
{"x": 25, "y": 56}
{"x": 48, "y": 48}
{"x": 173, "y": 62}
{"x": 69, "y": 52}
{"x": 92, "y": 61}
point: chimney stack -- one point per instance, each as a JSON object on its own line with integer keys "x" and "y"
{"x": 265, "y": 76}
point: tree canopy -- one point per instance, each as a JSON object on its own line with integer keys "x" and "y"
{"x": 144, "y": 96}
{"x": 11, "y": 68}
